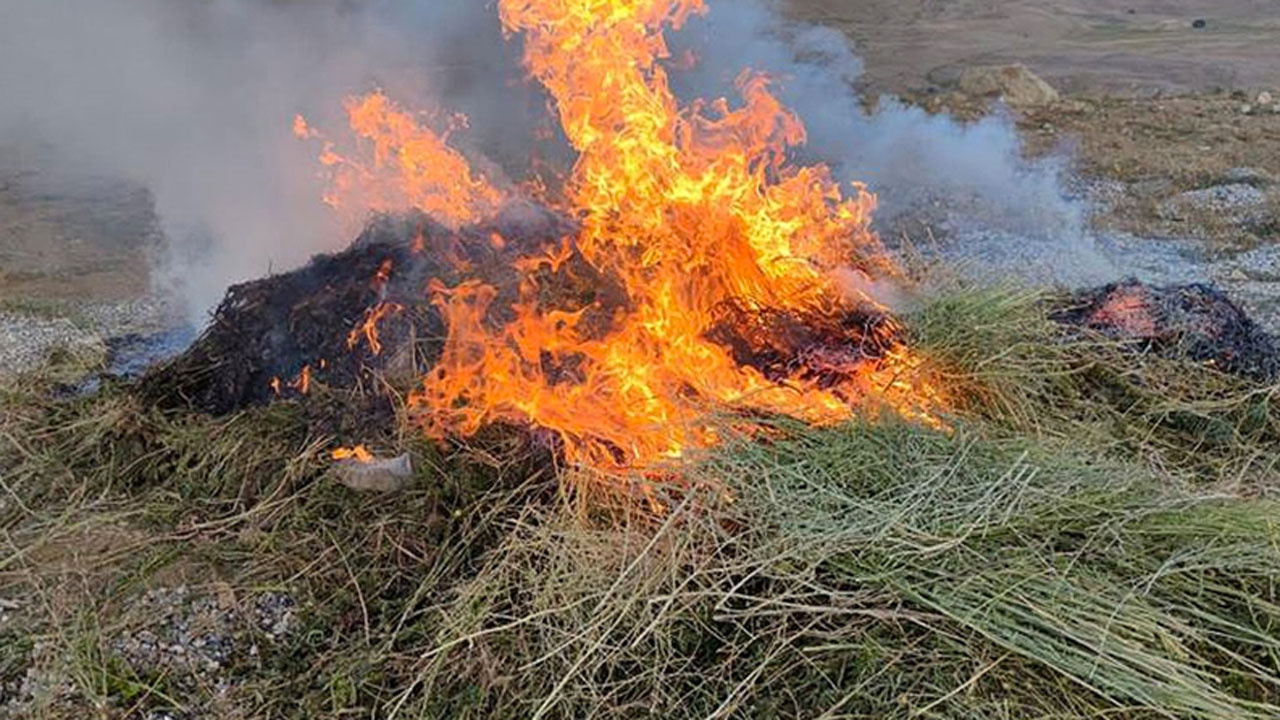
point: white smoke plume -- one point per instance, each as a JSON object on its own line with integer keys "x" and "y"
{"x": 1003, "y": 210}
{"x": 193, "y": 100}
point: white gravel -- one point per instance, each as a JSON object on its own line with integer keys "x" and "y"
{"x": 29, "y": 337}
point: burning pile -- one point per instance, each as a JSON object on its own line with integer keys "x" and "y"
{"x": 687, "y": 265}
{"x": 1195, "y": 321}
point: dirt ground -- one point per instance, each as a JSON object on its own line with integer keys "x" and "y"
{"x": 1122, "y": 47}
{"x": 68, "y": 238}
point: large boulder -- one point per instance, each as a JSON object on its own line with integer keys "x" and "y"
{"x": 1016, "y": 84}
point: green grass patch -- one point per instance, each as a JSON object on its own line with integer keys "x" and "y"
{"x": 1095, "y": 535}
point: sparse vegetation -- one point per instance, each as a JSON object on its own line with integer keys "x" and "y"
{"x": 1094, "y": 537}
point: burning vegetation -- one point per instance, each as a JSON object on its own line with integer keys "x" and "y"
{"x": 1194, "y": 321}
{"x": 686, "y": 266}
{"x": 1091, "y": 534}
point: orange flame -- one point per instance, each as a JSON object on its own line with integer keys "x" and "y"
{"x": 411, "y": 166}
{"x": 689, "y": 208}
{"x": 302, "y": 383}
{"x": 358, "y": 453}
{"x": 368, "y": 329}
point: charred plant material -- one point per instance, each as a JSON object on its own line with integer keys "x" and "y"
{"x": 347, "y": 322}
{"x": 340, "y": 321}
{"x": 1196, "y": 321}
{"x": 829, "y": 349}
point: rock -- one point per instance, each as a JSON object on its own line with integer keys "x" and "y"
{"x": 1264, "y": 98}
{"x": 1015, "y": 83}
{"x": 1246, "y": 109}
{"x": 374, "y": 475}
{"x": 1199, "y": 23}
{"x": 1256, "y": 177}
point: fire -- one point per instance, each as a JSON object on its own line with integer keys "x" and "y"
{"x": 368, "y": 328}
{"x": 358, "y": 453}
{"x": 411, "y": 166}
{"x": 302, "y": 383}
{"x": 690, "y": 208}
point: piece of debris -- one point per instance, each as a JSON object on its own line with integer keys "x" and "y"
{"x": 1016, "y": 84}
{"x": 1264, "y": 98}
{"x": 367, "y": 473}
{"x": 1196, "y": 322}
{"x": 1199, "y": 23}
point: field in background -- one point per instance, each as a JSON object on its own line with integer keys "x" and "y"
{"x": 1126, "y": 47}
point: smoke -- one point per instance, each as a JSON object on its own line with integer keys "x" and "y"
{"x": 1010, "y": 215}
{"x": 193, "y": 100}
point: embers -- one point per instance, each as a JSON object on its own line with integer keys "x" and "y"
{"x": 1193, "y": 321}
{"x": 784, "y": 344}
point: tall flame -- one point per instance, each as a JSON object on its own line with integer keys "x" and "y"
{"x": 411, "y": 166}
{"x": 689, "y": 208}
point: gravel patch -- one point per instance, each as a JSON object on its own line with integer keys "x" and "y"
{"x": 199, "y": 642}
{"x": 30, "y": 336}
{"x": 198, "y": 635}
{"x": 46, "y": 689}
{"x": 1253, "y": 280}
{"x": 27, "y": 341}
{"x": 1242, "y": 204}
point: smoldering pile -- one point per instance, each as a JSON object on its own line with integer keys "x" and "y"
{"x": 1196, "y": 322}
{"x": 362, "y": 319}
{"x": 345, "y": 321}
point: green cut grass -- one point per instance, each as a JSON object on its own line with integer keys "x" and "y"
{"x": 1095, "y": 535}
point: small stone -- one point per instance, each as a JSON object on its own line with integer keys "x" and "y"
{"x": 1265, "y": 98}
{"x": 1199, "y": 23}
{"x": 1246, "y": 109}
{"x": 1237, "y": 275}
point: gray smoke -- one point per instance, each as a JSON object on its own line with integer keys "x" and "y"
{"x": 998, "y": 208}
{"x": 193, "y": 100}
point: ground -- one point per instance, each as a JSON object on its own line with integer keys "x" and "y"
{"x": 1128, "y": 47}
{"x": 214, "y": 580}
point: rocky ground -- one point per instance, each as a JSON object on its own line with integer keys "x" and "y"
{"x": 171, "y": 636}
{"x": 1177, "y": 190}
{"x": 75, "y": 257}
